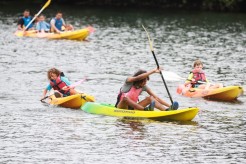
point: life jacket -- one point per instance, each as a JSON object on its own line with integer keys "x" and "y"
{"x": 58, "y": 23}
{"x": 133, "y": 94}
{"x": 26, "y": 21}
{"x": 198, "y": 76}
{"x": 58, "y": 84}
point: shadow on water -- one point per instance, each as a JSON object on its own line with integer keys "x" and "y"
{"x": 141, "y": 122}
{"x": 236, "y": 101}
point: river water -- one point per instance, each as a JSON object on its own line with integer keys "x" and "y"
{"x": 31, "y": 132}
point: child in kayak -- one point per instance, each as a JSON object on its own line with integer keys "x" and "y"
{"x": 59, "y": 83}
{"x": 132, "y": 88}
{"x": 58, "y": 24}
{"x": 198, "y": 79}
{"x": 42, "y": 26}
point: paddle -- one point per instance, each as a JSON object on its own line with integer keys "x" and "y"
{"x": 152, "y": 50}
{"x": 91, "y": 29}
{"x": 171, "y": 76}
{"x": 46, "y": 5}
{"x": 42, "y": 100}
{"x": 77, "y": 83}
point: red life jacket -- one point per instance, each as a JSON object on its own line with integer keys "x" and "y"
{"x": 58, "y": 85}
{"x": 199, "y": 76}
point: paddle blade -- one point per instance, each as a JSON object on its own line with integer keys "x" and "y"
{"x": 171, "y": 76}
{"x": 150, "y": 41}
{"x": 77, "y": 83}
{"x": 46, "y": 4}
{"x": 91, "y": 29}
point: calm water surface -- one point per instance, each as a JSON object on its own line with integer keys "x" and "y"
{"x": 31, "y": 132}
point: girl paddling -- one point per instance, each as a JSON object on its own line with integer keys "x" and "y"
{"x": 134, "y": 86}
{"x": 59, "y": 83}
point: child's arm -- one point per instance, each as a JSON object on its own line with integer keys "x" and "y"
{"x": 48, "y": 88}
{"x": 189, "y": 79}
{"x": 52, "y": 24}
{"x": 45, "y": 92}
{"x": 143, "y": 76}
{"x": 151, "y": 93}
{"x": 47, "y": 25}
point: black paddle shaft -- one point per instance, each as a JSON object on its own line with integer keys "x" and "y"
{"x": 42, "y": 100}
{"x": 156, "y": 61}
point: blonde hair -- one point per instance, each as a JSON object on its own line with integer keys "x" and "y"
{"x": 197, "y": 63}
{"x": 54, "y": 71}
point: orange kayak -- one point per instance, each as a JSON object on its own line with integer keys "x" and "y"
{"x": 228, "y": 93}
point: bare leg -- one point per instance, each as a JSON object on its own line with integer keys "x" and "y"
{"x": 149, "y": 99}
{"x": 58, "y": 94}
{"x": 125, "y": 102}
{"x": 73, "y": 92}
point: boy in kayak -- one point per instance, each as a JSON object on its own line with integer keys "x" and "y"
{"x": 59, "y": 83}
{"x": 198, "y": 79}
{"x": 25, "y": 20}
{"x": 132, "y": 88}
{"x": 58, "y": 24}
{"x": 42, "y": 25}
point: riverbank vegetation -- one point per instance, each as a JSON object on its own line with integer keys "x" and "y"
{"x": 210, "y": 5}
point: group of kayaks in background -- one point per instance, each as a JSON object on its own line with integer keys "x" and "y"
{"x": 29, "y": 26}
{"x": 128, "y": 103}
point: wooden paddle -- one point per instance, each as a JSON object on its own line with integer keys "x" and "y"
{"x": 152, "y": 50}
{"x": 45, "y": 5}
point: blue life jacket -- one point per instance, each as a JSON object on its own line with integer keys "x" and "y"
{"x": 26, "y": 21}
{"x": 58, "y": 24}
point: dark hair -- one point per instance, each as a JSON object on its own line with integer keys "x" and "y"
{"x": 27, "y": 10}
{"x": 139, "y": 72}
{"x": 53, "y": 70}
{"x": 58, "y": 12}
{"x": 41, "y": 15}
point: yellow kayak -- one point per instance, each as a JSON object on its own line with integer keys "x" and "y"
{"x": 73, "y": 101}
{"x": 228, "y": 93}
{"x": 70, "y": 35}
{"x": 109, "y": 110}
